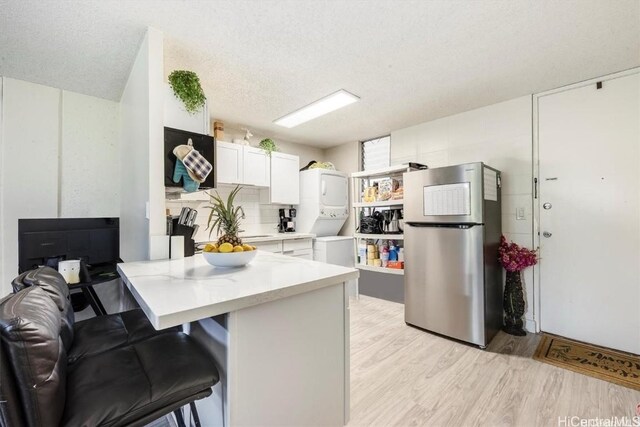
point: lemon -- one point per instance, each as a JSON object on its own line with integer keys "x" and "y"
{"x": 247, "y": 247}
{"x": 209, "y": 247}
{"x": 238, "y": 249}
{"x": 214, "y": 249}
{"x": 225, "y": 248}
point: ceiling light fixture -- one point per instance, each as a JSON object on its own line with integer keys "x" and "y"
{"x": 323, "y": 106}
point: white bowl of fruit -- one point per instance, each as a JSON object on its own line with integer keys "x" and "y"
{"x": 225, "y": 218}
{"x": 227, "y": 255}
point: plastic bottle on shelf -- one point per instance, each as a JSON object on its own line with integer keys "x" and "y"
{"x": 384, "y": 255}
{"x": 393, "y": 252}
{"x": 362, "y": 251}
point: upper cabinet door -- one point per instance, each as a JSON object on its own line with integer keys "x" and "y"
{"x": 256, "y": 167}
{"x": 285, "y": 179}
{"x": 229, "y": 163}
{"x": 177, "y": 117}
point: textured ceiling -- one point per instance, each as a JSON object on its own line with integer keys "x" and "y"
{"x": 409, "y": 61}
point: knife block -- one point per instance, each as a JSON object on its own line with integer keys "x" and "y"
{"x": 187, "y": 233}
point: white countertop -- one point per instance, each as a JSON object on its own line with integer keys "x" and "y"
{"x": 173, "y": 292}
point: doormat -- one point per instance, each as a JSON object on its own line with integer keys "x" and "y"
{"x": 598, "y": 362}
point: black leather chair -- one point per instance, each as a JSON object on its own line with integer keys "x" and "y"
{"x": 129, "y": 383}
{"x": 91, "y": 336}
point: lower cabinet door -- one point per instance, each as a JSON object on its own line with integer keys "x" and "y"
{"x": 275, "y": 247}
{"x": 300, "y": 253}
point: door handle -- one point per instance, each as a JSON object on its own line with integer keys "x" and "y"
{"x": 547, "y": 234}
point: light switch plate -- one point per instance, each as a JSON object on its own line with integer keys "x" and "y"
{"x": 520, "y": 213}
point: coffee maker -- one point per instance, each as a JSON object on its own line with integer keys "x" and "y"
{"x": 287, "y": 222}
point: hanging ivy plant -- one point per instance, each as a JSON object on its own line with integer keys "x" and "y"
{"x": 268, "y": 145}
{"x": 186, "y": 87}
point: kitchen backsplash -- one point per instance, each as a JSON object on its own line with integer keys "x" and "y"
{"x": 259, "y": 218}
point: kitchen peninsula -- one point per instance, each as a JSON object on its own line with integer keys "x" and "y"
{"x": 278, "y": 329}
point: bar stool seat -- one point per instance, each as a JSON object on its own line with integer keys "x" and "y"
{"x": 92, "y": 336}
{"x": 98, "y": 334}
{"x": 117, "y": 387}
{"x": 131, "y": 385}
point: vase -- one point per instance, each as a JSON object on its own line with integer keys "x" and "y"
{"x": 514, "y": 304}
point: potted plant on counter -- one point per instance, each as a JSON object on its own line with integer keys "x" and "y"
{"x": 186, "y": 87}
{"x": 514, "y": 259}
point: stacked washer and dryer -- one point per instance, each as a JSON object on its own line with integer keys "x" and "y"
{"x": 323, "y": 210}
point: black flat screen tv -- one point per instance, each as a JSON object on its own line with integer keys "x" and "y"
{"x": 95, "y": 240}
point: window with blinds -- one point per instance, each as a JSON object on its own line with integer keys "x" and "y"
{"x": 376, "y": 153}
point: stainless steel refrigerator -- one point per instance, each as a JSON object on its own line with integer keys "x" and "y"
{"x": 452, "y": 280}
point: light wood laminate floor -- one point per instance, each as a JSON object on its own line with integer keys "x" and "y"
{"x": 403, "y": 376}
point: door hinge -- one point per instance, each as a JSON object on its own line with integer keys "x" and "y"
{"x": 535, "y": 188}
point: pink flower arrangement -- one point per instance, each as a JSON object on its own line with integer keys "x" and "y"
{"x": 515, "y": 258}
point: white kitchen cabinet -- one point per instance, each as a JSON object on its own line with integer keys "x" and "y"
{"x": 242, "y": 164}
{"x": 269, "y": 246}
{"x": 285, "y": 180}
{"x": 229, "y": 163}
{"x": 299, "y": 248}
{"x": 256, "y": 167}
{"x": 177, "y": 117}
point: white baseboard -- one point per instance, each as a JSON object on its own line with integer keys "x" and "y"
{"x": 530, "y": 326}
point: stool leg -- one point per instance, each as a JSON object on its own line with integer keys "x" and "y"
{"x": 179, "y": 419}
{"x": 92, "y": 302}
{"x": 222, "y": 400}
{"x": 194, "y": 412}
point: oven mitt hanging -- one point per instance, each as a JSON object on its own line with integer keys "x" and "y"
{"x": 198, "y": 167}
{"x": 181, "y": 151}
{"x": 181, "y": 172}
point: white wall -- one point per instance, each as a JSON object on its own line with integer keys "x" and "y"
{"x": 499, "y": 135}
{"x": 142, "y": 123}
{"x": 55, "y": 148}
{"x": 2, "y": 277}
{"x": 259, "y": 218}
{"x": 157, "y": 217}
{"x": 89, "y": 157}
{"x": 30, "y": 143}
{"x": 346, "y": 158}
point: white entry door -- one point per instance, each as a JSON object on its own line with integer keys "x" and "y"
{"x": 589, "y": 196}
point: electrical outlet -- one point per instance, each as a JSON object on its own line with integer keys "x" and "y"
{"x": 520, "y": 213}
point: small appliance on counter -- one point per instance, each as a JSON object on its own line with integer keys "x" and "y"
{"x": 286, "y": 223}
